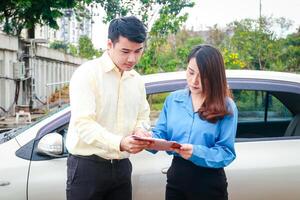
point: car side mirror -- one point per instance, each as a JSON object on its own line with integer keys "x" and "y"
{"x": 51, "y": 145}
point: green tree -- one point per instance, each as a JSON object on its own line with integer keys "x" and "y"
{"x": 232, "y": 60}
{"x": 86, "y": 48}
{"x": 216, "y": 36}
{"x": 169, "y": 22}
{"x": 162, "y": 18}
{"x": 290, "y": 54}
{"x": 185, "y": 41}
{"x": 20, "y": 14}
{"x": 172, "y": 54}
{"x": 73, "y": 50}
{"x": 256, "y": 43}
{"x": 59, "y": 45}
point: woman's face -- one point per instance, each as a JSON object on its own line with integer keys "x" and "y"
{"x": 193, "y": 77}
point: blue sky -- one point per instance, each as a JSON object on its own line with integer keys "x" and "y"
{"x": 209, "y": 12}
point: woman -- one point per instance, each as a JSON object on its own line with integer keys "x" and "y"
{"x": 203, "y": 119}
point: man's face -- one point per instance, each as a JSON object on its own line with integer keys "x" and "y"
{"x": 124, "y": 53}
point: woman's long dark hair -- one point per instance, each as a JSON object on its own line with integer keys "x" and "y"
{"x": 213, "y": 80}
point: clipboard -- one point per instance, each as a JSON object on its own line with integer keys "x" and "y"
{"x": 159, "y": 144}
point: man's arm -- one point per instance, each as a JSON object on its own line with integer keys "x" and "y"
{"x": 83, "y": 109}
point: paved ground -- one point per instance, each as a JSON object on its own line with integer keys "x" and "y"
{"x": 8, "y": 123}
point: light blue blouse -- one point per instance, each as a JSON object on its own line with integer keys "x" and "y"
{"x": 213, "y": 144}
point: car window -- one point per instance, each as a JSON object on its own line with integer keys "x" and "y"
{"x": 277, "y": 111}
{"x": 250, "y": 105}
{"x": 261, "y": 114}
{"x": 156, "y": 102}
{"x": 255, "y": 106}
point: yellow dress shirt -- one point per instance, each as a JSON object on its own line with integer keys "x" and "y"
{"x": 105, "y": 106}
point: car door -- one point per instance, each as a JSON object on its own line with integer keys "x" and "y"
{"x": 47, "y": 179}
{"x": 48, "y": 174}
{"x": 265, "y": 169}
{"x": 267, "y": 165}
{"x": 149, "y": 175}
{"x": 267, "y": 162}
{"x": 13, "y": 172}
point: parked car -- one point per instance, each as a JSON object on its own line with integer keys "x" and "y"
{"x": 33, "y": 158}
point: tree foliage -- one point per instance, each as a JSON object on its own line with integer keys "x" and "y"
{"x": 290, "y": 54}
{"x": 253, "y": 39}
{"x": 59, "y": 45}
{"x": 216, "y": 36}
{"x": 257, "y": 45}
{"x": 86, "y": 48}
{"x": 20, "y": 14}
{"x": 162, "y": 17}
{"x": 169, "y": 22}
{"x": 247, "y": 43}
{"x": 171, "y": 54}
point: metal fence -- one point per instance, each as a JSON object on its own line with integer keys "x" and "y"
{"x": 49, "y": 87}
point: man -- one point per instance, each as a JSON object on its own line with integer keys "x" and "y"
{"x": 108, "y": 105}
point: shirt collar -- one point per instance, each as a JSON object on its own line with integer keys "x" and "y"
{"x": 184, "y": 96}
{"x": 185, "y": 101}
{"x": 110, "y": 65}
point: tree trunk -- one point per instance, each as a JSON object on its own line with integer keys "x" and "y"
{"x": 30, "y": 33}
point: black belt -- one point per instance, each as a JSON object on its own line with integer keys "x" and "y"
{"x": 99, "y": 159}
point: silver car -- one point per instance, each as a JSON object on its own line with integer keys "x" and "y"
{"x": 33, "y": 158}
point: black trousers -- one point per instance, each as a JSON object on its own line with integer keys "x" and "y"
{"x": 187, "y": 181}
{"x": 94, "y": 178}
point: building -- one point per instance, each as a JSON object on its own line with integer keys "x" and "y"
{"x": 70, "y": 29}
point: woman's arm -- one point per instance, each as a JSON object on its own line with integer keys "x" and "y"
{"x": 222, "y": 153}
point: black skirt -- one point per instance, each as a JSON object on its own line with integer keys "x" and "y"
{"x": 187, "y": 181}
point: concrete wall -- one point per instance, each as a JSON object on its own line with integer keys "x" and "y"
{"x": 51, "y": 66}
{"x": 8, "y": 54}
{"x": 43, "y": 65}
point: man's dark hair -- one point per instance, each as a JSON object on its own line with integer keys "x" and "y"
{"x": 129, "y": 27}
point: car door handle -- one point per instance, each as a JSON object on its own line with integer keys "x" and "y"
{"x": 164, "y": 170}
{"x": 4, "y": 183}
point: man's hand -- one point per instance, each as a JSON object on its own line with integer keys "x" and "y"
{"x": 133, "y": 146}
{"x": 142, "y": 133}
{"x": 185, "y": 151}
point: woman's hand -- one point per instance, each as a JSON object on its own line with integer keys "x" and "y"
{"x": 185, "y": 151}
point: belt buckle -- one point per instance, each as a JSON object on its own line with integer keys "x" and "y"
{"x": 114, "y": 161}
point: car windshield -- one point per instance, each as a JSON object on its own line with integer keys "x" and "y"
{"x": 8, "y": 135}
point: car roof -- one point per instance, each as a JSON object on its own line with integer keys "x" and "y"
{"x": 231, "y": 74}
{"x": 285, "y": 86}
